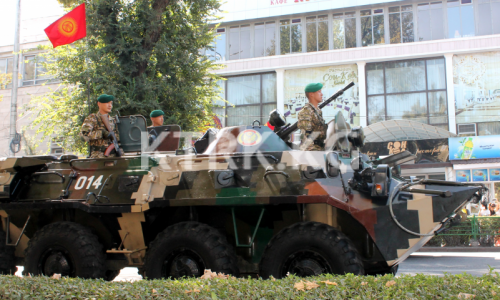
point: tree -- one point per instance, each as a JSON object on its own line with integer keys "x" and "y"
{"x": 145, "y": 53}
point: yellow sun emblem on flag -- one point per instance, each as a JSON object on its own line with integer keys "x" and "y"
{"x": 68, "y": 26}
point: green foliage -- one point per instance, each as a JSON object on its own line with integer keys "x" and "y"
{"x": 145, "y": 53}
{"x": 346, "y": 287}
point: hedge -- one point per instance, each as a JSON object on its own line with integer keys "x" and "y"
{"x": 462, "y": 236}
{"x": 463, "y": 286}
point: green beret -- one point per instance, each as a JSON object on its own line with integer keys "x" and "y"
{"x": 105, "y": 98}
{"x": 156, "y": 113}
{"x": 313, "y": 87}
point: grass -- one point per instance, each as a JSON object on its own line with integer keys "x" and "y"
{"x": 420, "y": 286}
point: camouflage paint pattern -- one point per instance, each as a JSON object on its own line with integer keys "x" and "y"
{"x": 258, "y": 176}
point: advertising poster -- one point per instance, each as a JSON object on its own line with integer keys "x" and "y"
{"x": 494, "y": 174}
{"x": 426, "y": 151}
{"x": 476, "y": 79}
{"x": 332, "y": 78}
{"x": 463, "y": 175}
{"x": 480, "y": 175}
{"x": 474, "y": 147}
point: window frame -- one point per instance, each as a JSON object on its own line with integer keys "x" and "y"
{"x": 34, "y": 81}
{"x": 6, "y": 71}
{"x": 426, "y": 91}
{"x": 260, "y": 104}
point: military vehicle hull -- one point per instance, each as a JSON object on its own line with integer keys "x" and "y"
{"x": 249, "y": 204}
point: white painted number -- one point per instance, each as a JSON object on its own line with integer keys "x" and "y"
{"x": 80, "y": 183}
{"x": 98, "y": 183}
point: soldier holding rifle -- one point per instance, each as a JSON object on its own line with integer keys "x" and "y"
{"x": 100, "y": 131}
{"x": 310, "y": 120}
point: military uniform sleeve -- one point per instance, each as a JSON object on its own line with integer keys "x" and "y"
{"x": 305, "y": 118}
{"x": 90, "y": 130}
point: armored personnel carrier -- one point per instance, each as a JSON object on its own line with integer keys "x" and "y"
{"x": 247, "y": 203}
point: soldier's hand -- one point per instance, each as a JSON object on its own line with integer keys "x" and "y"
{"x": 105, "y": 134}
{"x": 111, "y": 136}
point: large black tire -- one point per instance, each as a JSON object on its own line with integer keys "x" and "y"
{"x": 308, "y": 249}
{"x": 187, "y": 249}
{"x": 65, "y": 248}
{"x": 7, "y": 258}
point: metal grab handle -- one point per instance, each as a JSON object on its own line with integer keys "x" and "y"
{"x": 277, "y": 173}
{"x": 49, "y": 173}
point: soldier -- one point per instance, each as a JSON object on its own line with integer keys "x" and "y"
{"x": 157, "y": 117}
{"x": 94, "y": 131}
{"x": 310, "y": 120}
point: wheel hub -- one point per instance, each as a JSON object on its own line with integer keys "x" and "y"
{"x": 183, "y": 263}
{"x": 306, "y": 263}
{"x": 55, "y": 261}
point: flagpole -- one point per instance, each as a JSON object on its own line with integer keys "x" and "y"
{"x": 15, "y": 80}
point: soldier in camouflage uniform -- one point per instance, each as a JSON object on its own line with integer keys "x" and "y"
{"x": 94, "y": 131}
{"x": 310, "y": 120}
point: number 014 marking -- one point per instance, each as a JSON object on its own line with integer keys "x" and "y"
{"x": 80, "y": 183}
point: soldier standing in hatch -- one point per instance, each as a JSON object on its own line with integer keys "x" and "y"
{"x": 156, "y": 117}
{"x": 94, "y": 131}
{"x": 310, "y": 120}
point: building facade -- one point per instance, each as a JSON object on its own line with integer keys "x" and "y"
{"x": 436, "y": 63}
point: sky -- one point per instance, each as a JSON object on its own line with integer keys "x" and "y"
{"x": 36, "y": 15}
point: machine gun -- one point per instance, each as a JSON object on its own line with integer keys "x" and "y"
{"x": 285, "y": 132}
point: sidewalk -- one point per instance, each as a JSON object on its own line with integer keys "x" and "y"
{"x": 459, "y": 249}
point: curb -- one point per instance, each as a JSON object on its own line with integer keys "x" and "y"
{"x": 459, "y": 249}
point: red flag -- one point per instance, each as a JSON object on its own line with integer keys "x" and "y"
{"x": 69, "y": 28}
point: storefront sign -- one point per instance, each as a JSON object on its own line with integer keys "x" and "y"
{"x": 427, "y": 151}
{"x": 333, "y": 78}
{"x": 474, "y": 147}
{"x": 480, "y": 175}
{"x": 494, "y": 174}
{"x": 463, "y": 175}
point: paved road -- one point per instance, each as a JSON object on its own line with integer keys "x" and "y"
{"x": 436, "y": 263}
{"x": 429, "y": 263}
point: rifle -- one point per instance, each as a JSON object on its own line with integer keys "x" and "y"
{"x": 114, "y": 145}
{"x": 285, "y": 132}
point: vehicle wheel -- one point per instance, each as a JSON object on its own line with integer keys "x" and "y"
{"x": 65, "y": 248}
{"x": 308, "y": 249}
{"x": 187, "y": 249}
{"x": 7, "y": 258}
{"x": 110, "y": 275}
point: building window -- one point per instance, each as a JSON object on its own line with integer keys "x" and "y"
{"x": 412, "y": 89}
{"x": 372, "y": 27}
{"x": 488, "y": 11}
{"x": 460, "y": 18}
{"x": 34, "y": 72}
{"x": 317, "y": 33}
{"x": 239, "y": 42}
{"x": 430, "y": 21}
{"x": 290, "y": 36}
{"x": 265, "y": 39}
{"x": 344, "y": 30}
{"x": 218, "y": 50}
{"x": 488, "y": 128}
{"x": 6, "y": 68}
{"x": 401, "y": 24}
{"x": 249, "y": 98}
